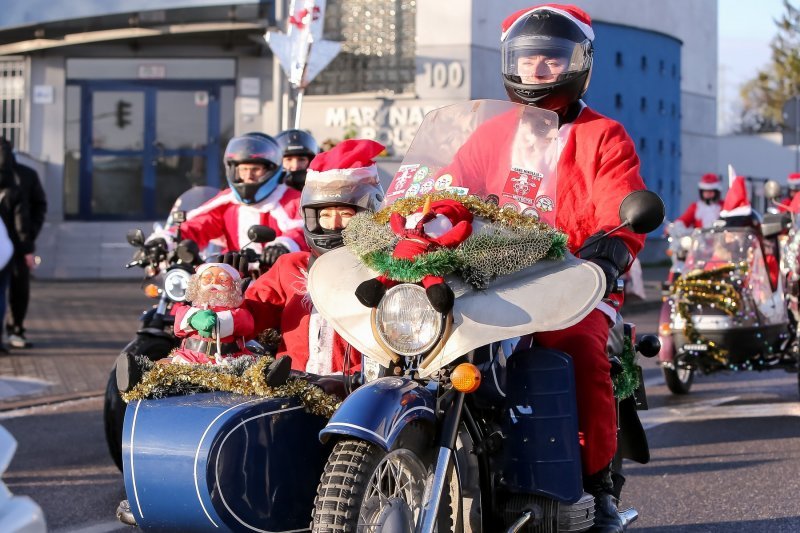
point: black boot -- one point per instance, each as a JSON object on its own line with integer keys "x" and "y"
{"x": 277, "y": 373}
{"x": 129, "y": 372}
{"x": 606, "y": 517}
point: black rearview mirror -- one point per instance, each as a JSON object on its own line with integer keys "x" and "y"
{"x": 135, "y": 237}
{"x": 642, "y": 211}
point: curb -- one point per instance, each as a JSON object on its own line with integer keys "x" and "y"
{"x": 38, "y": 401}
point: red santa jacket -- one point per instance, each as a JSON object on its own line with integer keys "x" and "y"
{"x": 279, "y": 299}
{"x": 225, "y": 217}
{"x": 597, "y": 168}
{"x": 700, "y": 214}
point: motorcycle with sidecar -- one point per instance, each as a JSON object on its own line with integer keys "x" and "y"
{"x": 459, "y": 422}
{"x": 729, "y": 309}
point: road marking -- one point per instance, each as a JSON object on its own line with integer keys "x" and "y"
{"x": 715, "y": 410}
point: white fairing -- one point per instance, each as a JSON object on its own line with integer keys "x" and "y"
{"x": 550, "y": 295}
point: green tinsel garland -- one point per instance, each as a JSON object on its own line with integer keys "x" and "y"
{"x": 507, "y": 242}
{"x": 626, "y": 382}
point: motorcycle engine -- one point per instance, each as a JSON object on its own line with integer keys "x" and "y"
{"x": 550, "y": 516}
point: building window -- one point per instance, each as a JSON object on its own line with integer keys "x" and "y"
{"x": 661, "y": 146}
{"x": 672, "y": 109}
{"x": 619, "y": 59}
{"x": 12, "y": 98}
{"x": 644, "y": 62}
{"x": 618, "y": 101}
{"x": 642, "y": 143}
{"x": 661, "y": 107}
{"x": 378, "y": 47}
{"x": 643, "y": 104}
{"x": 661, "y": 67}
{"x": 674, "y": 70}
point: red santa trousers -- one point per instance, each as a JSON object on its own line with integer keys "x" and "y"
{"x": 586, "y": 342}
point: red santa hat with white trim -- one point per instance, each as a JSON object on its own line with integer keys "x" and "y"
{"x": 737, "y": 201}
{"x": 793, "y": 180}
{"x": 224, "y": 266}
{"x": 710, "y": 182}
{"x": 350, "y": 160}
{"x": 573, "y": 13}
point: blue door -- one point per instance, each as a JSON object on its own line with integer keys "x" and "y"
{"x": 145, "y": 143}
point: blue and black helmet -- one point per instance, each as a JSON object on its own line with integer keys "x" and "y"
{"x": 256, "y": 149}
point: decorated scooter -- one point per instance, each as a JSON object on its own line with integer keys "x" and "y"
{"x": 729, "y": 308}
{"x": 461, "y": 425}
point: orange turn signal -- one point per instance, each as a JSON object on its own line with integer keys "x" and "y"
{"x": 665, "y": 329}
{"x": 466, "y": 378}
{"x": 151, "y": 291}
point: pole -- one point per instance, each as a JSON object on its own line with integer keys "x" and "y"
{"x": 298, "y": 107}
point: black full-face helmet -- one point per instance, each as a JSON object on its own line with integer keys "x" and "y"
{"x": 559, "y": 38}
{"x": 257, "y": 149}
{"x": 297, "y": 142}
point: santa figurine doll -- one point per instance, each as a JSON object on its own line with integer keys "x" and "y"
{"x": 215, "y": 326}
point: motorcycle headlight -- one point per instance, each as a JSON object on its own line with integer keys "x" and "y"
{"x": 686, "y": 243}
{"x": 405, "y": 321}
{"x": 175, "y": 284}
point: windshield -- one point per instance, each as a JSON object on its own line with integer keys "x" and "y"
{"x": 504, "y": 152}
{"x": 191, "y": 199}
{"x": 715, "y": 248}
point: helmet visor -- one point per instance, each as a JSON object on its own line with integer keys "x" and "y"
{"x": 536, "y": 60}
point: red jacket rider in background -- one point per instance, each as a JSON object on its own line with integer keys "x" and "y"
{"x": 546, "y": 62}
{"x": 703, "y": 212}
{"x": 339, "y": 183}
{"x": 256, "y": 196}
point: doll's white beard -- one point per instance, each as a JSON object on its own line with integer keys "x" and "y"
{"x": 224, "y": 298}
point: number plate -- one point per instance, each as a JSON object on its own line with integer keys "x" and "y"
{"x": 695, "y": 347}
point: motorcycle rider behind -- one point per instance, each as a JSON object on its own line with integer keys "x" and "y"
{"x": 546, "y": 62}
{"x": 299, "y": 148}
{"x": 341, "y": 183}
{"x": 256, "y": 196}
{"x": 703, "y": 212}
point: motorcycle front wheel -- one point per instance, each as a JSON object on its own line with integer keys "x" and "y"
{"x": 364, "y": 489}
{"x": 679, "y": 380}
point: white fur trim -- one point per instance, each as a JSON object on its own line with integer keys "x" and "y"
{"x": 607, "y": 309}
{"x": 434, "y": 228}
{"x": 287, "y": 242}
{"x": 737, "y": 212}
{"x": 706, "y": 214}
{"x": 285, "y": 221}
{"x": 585, "y": 28}
{"x": 184, "y": 326}
{"x": 360, "y": 174}
{"x": 247, "y": 216}
{"x": 710, "y": 186}
{"x": 227, "y": 268}
{"x": 225, "y": 197}
{"x": 320, "y": 345}
{"x": 225, "y": 324}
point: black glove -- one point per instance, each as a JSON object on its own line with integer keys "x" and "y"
{"x": 610, "y": 254}
{"x": 236, "y": 260}
{"x": 271, "y": 254}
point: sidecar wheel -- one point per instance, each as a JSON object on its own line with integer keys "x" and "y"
{"x": 364, "y": 488}
{"x": 679, "y": 380}
{"x": 113, "y": 406}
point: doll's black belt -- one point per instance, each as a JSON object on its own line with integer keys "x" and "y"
{"x": 209, "y": 347}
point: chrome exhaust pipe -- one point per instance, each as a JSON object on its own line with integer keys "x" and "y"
{"x": 629, "y": 516}
{"x": 521, "y": 521}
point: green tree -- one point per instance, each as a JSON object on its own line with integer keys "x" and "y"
{"x": 763, "y": 96}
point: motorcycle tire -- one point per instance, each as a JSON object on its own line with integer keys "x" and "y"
{"x": 353, "y": 490}
{"x": 113, "y": 406}
{"x": 679, "y": 381}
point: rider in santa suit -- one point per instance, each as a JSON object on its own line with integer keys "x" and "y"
{"x": 256, "y": 196}
{"x": 340, "y": 183}
{"x": 703, "y": 212}
{"x": 547, "y": 55}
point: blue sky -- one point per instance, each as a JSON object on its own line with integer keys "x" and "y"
{"x": 746, "y": 28}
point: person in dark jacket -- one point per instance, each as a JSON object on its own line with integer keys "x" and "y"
{"x": 22, "y": 263}
{"x": 15, "y": 214}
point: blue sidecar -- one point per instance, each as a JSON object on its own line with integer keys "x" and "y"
{"x": 219, "y": 461}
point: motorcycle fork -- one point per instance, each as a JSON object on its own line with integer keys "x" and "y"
{"x": 437, "y": 483}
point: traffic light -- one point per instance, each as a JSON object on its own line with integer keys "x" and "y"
{"x": 123, "y": 113}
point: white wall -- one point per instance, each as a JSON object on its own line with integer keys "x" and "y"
{"x": 757, "y": 155}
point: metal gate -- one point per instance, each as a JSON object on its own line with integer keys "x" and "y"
{"x": 12, "y": 95}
